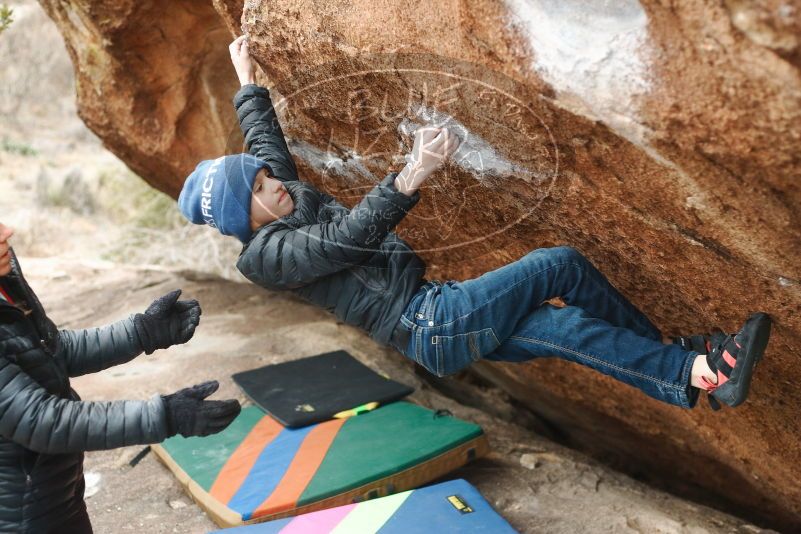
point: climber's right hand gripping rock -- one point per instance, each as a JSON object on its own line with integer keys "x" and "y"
{"x": 432, "y": 147}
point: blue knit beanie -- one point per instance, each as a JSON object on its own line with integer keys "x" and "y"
{"x": 218, "y": 193}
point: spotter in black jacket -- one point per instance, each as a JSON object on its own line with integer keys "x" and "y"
{"x": 44, "y": 426}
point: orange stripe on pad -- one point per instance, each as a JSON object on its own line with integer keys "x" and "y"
{"x": 238, "y": 466}
{"x": 304, "y": 465}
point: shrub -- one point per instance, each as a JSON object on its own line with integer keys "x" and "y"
{"x": 6, "y": 17}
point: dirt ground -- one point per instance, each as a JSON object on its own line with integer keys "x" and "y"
{"x": 537, "y": 485}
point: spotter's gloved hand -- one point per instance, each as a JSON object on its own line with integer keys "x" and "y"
{"x": 167, "y": 322}
{"x": 189, "y": 414}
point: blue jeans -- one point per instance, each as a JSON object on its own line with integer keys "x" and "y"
{"x": 502, "y": 316}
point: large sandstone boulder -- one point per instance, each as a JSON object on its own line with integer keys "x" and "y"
{"x": 659, "y": 138}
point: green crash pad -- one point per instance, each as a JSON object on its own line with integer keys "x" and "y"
{"x": 257, "y": 470}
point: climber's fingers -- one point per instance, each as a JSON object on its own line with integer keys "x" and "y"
{"x": 236, "y": 46}
{"x": 243, "y": 63}
{"x": 452, "y": 144}
{"x": 429, "y": 136}
{"x": 436, "y": 146}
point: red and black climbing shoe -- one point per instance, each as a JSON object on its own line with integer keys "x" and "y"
{"x": 733, "y": 358}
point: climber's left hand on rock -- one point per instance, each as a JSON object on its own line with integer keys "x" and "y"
{"x": 242, "y": 60}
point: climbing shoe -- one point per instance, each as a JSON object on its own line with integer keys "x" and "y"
{"x": 700, "y": 343}
{"x": 733, "y": 358}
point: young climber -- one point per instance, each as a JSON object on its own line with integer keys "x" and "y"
{"x": 45, "y": 427}
{"x": 349, "y": 262}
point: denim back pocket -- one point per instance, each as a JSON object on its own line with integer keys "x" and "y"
{"x": 455, "y": 352}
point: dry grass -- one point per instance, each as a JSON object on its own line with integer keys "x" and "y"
{"x": 66, "y": 195}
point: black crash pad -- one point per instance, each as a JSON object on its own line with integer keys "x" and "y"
{"x": 314, "y": 389}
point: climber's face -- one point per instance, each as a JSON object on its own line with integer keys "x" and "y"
{"x": 270, "y": 200}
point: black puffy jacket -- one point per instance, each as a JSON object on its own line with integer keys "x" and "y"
{"x": 44, "y": 427}
{"x": 346, "y": 261}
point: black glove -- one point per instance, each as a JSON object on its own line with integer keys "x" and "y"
{"x": 167, "y": 322}
{"x": 189, "y": 414}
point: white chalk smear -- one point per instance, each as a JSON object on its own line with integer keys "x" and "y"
{"x": 474, "y": 155}
{"x": 594, "y": 53}
{"x": 328, "y": 163}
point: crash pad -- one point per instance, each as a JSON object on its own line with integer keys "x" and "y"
{"x": 314, "y": 389}
{"x": 256, "y": 469}
{"x": 453, "y": 506}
